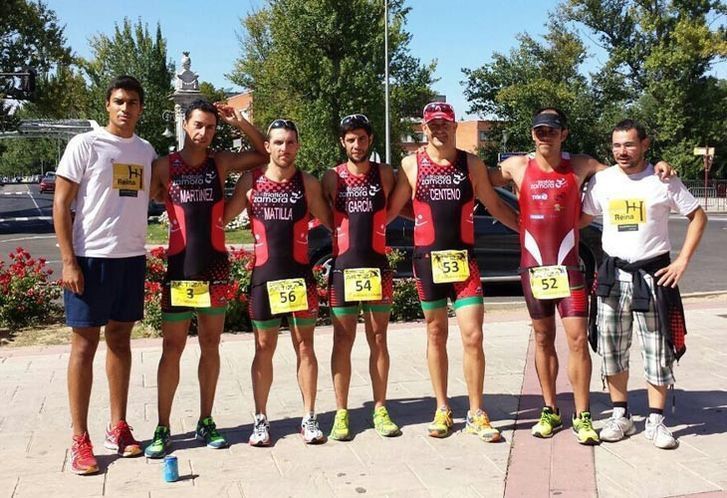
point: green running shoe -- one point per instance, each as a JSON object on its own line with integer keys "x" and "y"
{"x": 340, "y": 430}
{"x": 441, "y": 426}
{"x": 583, "y": 429}
{"x": 549, "y": 423}
{"x": 159, "y": 445}
{"x": 207, "y": 432}
{"x": 383, "y": 423}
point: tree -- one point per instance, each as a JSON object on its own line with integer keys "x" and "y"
{"x": 535, "y": 75}
{"x": 133, "y": 51}
{"x": 315, "y": 61}
{"x": 662, "y": 51}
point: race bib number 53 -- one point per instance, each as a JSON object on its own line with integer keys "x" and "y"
{"x": 287, "y": 296}
{"x": 450, "y": 266}
{"x": 549, "y": 282}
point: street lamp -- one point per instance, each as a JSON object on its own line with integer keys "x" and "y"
{"x": 387, "y": 133}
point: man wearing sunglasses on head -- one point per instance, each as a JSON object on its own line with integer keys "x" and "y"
{"x": 443, "y": 182}
{"x": 549, "y": 184}
{"x": 360, "y": 276}
{"x": 191, "y": 184}
{"x": 280, "y": 199}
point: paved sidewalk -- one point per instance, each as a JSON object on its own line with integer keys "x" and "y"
{"x": 35, "y": 433}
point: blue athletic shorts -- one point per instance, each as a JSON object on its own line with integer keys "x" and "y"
{"x": 113, "y": 290}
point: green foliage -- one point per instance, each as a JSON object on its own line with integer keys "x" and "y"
{"x": 406, "y": 306}
{"x": 27, "y": 295}
{"x": 134, "y": 51}
{"x": 659, "y": 55}
{"x": 29, "y": 156}
{"x": 315, "y": 61}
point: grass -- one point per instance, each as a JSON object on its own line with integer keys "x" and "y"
{"x": 157, "y": 234}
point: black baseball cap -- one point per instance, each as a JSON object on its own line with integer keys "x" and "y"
{"x": 549, "y": 119}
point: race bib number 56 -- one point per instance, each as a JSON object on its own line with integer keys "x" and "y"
{"x": 287, "y": 296}
{"x": 450, "y": 266}
{"x": 549, "y": 282}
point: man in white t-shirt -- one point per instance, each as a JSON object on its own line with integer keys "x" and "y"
{"x": 104, "y": 176}
{"x": 637, "y": 282}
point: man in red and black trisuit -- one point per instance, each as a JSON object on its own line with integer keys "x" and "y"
{"x": 280, "y": 199}
{"x": 443, "y": 182}
{"x": 191, "y": 184}
{"x": 549, "y": 184}
{"x": 360, "y": 277}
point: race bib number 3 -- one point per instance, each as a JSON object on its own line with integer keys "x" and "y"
{"x": 191, "y": 293}
{"x": 450, "y": 266}
{"x": 128, "y": 179}
{"x": 362, "y": 284}
{"x": 287, "y": 296}
{"x": 549, "y": 282}
{"x": 627, "y": 214}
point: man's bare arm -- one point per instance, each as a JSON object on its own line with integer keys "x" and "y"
{"x": 248, "y": 159}
{"x": 402, "y": 189}
{"x": 487, "y": 195}
{"x": 317, "y": 205}
{"x": 64, "y": 195}
{"x": 159, "y": 178}
{"x": 670, "y": 276}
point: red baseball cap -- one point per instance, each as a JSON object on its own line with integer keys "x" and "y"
{"x": 438, "y": 110}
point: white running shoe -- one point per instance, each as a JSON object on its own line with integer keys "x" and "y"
{"x": 260, "y": 431}
{"x": 617, "y": 427}
{"x": 657, "y": 432}
{"x": 309, "y": 429}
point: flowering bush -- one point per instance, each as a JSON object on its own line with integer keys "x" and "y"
{"x": 27, "y": 295}
{"x": 156, "y": 267}
{"x": 238, "y": 295}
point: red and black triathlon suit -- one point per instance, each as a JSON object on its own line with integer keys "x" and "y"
{"x": 279, "y": 216}
{"x": 195, "y": 205}
{"x": 443, "y": 220}
{"x": 359, "y": 236}
{"x": 550, "y": 206}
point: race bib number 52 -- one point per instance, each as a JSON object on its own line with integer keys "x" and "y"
{"x": 549, "y": 282}
{"x": 287, "y": 296}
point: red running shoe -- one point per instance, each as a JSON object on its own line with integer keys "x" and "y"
{"x": 82, "y": 460}
{"x": 120, "y": 439}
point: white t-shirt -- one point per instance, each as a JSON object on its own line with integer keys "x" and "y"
{"x": 636, "y": 211}
{"x": 113, "y": 176}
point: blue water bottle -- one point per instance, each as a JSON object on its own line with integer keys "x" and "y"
{"x": 171, "y": 468}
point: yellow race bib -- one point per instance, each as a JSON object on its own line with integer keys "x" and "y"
{"x": 362, "y": 284}
{"x": 627, "y": 214}
{"x": 128, "y": 179}
{"x": 450, "y": 266}
{"x": 287, "y": 296}
{"x": 191, "y": 293}
{"x": 549, "y": 282}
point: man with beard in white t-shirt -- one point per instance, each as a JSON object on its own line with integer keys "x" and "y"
{"x": 637, "y": 282}
{"x": 104, "y": 174}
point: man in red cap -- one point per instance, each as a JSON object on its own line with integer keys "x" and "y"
{"x": 443, "y": 182}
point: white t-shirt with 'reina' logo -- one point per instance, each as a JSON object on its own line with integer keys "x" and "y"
{"x": 636, "y": 211}
{"x": 113, "y": 176}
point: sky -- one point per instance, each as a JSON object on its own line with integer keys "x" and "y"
{"x": 456, "y": 33}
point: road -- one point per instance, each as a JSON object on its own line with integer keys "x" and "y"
{"x": 25, "y": 221}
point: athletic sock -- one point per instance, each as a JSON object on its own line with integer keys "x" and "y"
{"x": 620, "y": 409}
{"x": 658, "y": 411}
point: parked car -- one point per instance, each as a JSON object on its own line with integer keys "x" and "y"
{"x": 497, "y": 248}
{"x": 48, "y": 183}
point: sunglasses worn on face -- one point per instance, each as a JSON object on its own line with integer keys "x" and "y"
{"x": 286, "y": 124}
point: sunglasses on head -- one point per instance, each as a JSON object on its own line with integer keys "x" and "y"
{"x": 438, "y": 107}
{"x": 286, "y": 124}
{"x": 353, "y": 119}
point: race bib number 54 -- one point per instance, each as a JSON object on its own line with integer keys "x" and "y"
{"x": 362, "y": 284}
{"x": 549, "y": 282}
{"x": 287, "y": 296}
{"x": 450, "y": 266}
